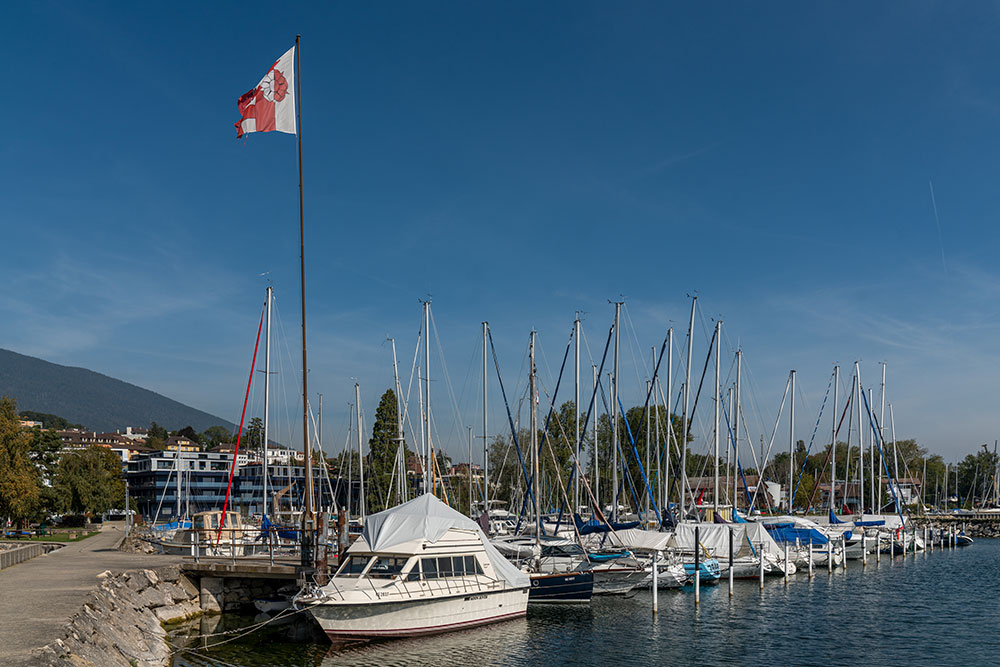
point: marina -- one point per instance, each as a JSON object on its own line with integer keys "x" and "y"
{"x": 905, "y": 610}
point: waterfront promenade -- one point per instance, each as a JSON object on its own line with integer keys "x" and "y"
{"x": 38, "y": 597}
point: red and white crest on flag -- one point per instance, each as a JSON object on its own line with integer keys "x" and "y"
{"x": 270, "y": 106}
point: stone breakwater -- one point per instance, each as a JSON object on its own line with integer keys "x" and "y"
{"x": 121, "y": 622}
{"x": 988, "y": 528}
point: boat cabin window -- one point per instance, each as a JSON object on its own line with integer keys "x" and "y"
{"x": 450, "y": 566}
{"x": 353, "y": 566}
{"x": 386, "y": 567}
{"x": 563, "y": 550}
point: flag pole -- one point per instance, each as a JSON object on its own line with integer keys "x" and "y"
{"x": 307, "y": 516}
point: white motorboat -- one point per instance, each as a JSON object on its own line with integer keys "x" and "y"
{"x": 419, "y": 568}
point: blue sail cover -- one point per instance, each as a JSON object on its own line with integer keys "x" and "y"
{"x": 595, "y": 526}
{"x": 869, "y": 524}
{"x": 787, "y": 532}
{"x": 834, "y": 519}
{"x": 737, "y": 518}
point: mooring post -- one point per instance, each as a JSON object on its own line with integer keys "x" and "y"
{"x": 730, "y": 561}
{"x": 810, "y": 558}
{"x": 656, "y": 582}
{"x": 843, "y": 548}
{"x": 864, "y": 549}
{"x": 697, "y": 566}
{"x": 786, "y": 562}
{"x": 760, "y": 555}
{"x": 829, "y": 556}
{"x": 878, "y": 546}
{"x": 892, "y": 548}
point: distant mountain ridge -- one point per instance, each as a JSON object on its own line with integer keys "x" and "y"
{"x": 98, "y": 401}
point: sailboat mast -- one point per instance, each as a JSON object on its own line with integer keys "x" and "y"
{"x": 861, "y": 440}
{"x": 486, "y": 442}
{"x": 267, "y": 398}
{"x": 875, "y": 494}
{"x": 576, "y": 416}
{"x": 400, "y": 449}
{"x": 670, "y": 418}
{"x": 881, "y": 437}
{"x": 534, "y": 440}
{"x": 833, "y": 440}
{"x": 423, "y": 442}
{"x": 427, "y": 396}
{"x": 361, "y": 456}
{"x": 597, "y": 470}
{"x": 687, "y": 398}
{"x": 470, "y": 471}
{"x": 736, "y": 429}
{"x": 614, "y": 419}
{"x": 791, "y": 449}
{"x": 718, "y": 389}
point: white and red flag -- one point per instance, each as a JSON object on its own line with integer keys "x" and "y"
{"x": 271, "y": 105}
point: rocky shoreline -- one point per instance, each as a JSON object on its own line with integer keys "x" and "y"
{"x": 973, "y": 528}
{"x": 121, "y": 622}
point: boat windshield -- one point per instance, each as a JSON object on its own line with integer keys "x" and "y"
{"x": 353, "y": 566}
{"x": 386, "y": 567}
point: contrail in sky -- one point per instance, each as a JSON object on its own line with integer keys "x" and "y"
{"x": 938, "y": 221}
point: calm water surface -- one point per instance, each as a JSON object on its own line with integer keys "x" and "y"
{"x": 942, "y": 608}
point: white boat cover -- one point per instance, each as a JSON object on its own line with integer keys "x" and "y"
{"x": 715, "y": 538}
{"x": 630, "y": 538}
{"x": 427, "y": 518}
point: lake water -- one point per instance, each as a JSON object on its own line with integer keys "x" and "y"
{"x": 942, "y": 608}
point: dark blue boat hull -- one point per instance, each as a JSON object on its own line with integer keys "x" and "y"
{"x": 563, "y": 588}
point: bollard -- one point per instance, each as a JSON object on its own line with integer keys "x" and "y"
{"x": 697, "y": 567}
{"x": 810, "y": 558}
{"x": 730, "y": 561}
{"x": 760, "y": 555}
{"x": 786, "y": 562}
{"x": 656, "y": 583}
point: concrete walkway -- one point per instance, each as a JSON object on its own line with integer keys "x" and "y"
{"x": 38, "y": 597}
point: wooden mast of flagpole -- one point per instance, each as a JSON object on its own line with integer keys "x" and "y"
{"x": 308, "y": 514}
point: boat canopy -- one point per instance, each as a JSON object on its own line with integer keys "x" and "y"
{"x": 596, "y": 526}
{"x": 748, "y": 538}
{"x": 834, "y": 519}
{"x": 789, "y": 532}
{"x": 632, "y": 538}
{"x": 427, "y": 518}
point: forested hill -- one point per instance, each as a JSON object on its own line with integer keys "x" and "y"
{"x": 99, "y": 402}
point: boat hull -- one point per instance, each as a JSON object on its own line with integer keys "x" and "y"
{"x": 417, "y": 617}
{"x": 562, "y": 588}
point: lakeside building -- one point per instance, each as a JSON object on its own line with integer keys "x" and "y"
{"x": 152, "y": 480}
{"x": 153, "y": 485}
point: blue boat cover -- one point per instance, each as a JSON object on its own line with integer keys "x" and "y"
{"x": 834, "y": 519}
{"x": 787, "y": 532}
{"x": 737, "y": 518}
{"x": 866, "y": 524}
{"x": 595, "y": 526}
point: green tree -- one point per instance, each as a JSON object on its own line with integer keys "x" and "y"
{"x": 19, "y": 481}
{"x": 382, "y": 451}
{"x": 156, "y": 436}
{"x": 45, "y": 452}
{"x": 90, "y": 481}
{"x": 190, "y": 434}
{"x": 252, "y": 438}
{"x": 214, "y": 436}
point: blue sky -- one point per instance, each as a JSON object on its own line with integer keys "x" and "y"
{"x": 518, "y": 162}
